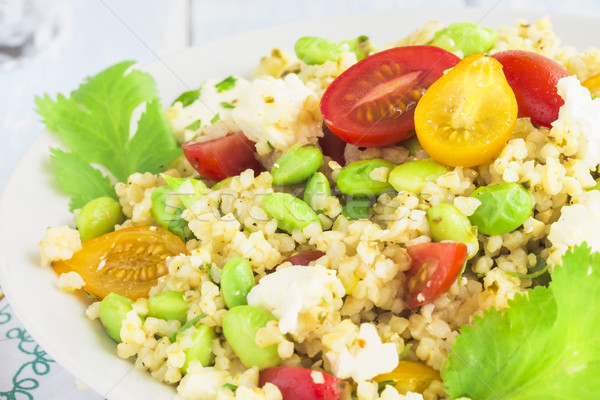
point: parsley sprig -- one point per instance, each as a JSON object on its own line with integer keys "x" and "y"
{"x": 94, "y": 124}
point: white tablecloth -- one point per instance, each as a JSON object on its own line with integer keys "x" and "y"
{"x": 96, "y": 33}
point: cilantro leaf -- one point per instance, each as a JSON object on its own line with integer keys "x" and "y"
{"x": 94, "y": 123}
{"x": 225, "y": 84}
{"x": 187, "y": 98}
{"x": 543, "y": 346}
{"x": 225, "y": 104}
{"x": 78, "y": 178}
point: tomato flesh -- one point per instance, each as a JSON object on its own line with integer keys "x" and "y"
{"x": 466, "y": 117}
{"x": 127, "y": 262}
{"x": 296, "y": 383}
{"x": 593, "y": 85}
{"x": 332, "y": 146}
{"x": 372, "y": 103}
{"x": 533, "y": 78}
{"x": 304, "y": 258}
{"x": 220, "y": 158}
{"x": 434, "y": 268}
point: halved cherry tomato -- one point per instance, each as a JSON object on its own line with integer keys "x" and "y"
{"x": 296, "y": 383}
{"x": 434, "y": 268}
{"x": 304, "y": 258}
{"x": 409, "y": 376}
{"x": 593, "y": 85}
{"x": 220, "y": 158}
{"x": 467, "y": 116}
{"x": 533, "y": 78}
{"x": 372, "y": 103}
{"x": 332, "y": 146}
{"x": 127, "y": 262}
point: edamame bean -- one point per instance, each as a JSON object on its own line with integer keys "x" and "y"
{"x": 189, "y": 190}
{"x": 504, "y": 207}
{"x": 165, "y": 215}
{"x": 296, "y": 165}
{"x": 447, "y": 223}
{"x": 361, "y": 46}
{"x": 467, "y": 37}
{"x": 240, "y": 326}
{"x": 290, "y": 212}
{"x": 413, "y": 175}
{"x": 169, "y": 305}
{"x": 99, "y": 216}
{"x": 237, "y": 279}
{"x": 317, "y": 50}
{"x": 358, "y": 208}
{"x": 413, "y": 145}
{"x": 355, "y": 178}
{"x": 317, "y": 191}
{"x": 112, "y": 311}
{"x": 201, "y": 347}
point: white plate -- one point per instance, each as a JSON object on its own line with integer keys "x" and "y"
{"x": 30, "y": 203}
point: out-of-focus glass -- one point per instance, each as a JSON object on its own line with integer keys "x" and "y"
{"x": 25, "y": 27}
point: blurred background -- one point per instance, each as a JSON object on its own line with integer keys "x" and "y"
{"x": 50, "y": 46}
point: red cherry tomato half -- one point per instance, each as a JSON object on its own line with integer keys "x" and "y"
{"x": 533, "y": 78}
{"x": 372, "y": 103}
{"x": 220, "y": 158}
{"x": 332, "y": 146}
{"x": 434, "y": 268}
{"x": 304, "y": 258}
{"x": 296, "y": 383}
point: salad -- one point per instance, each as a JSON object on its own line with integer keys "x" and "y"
{"x": 408, "y": 222}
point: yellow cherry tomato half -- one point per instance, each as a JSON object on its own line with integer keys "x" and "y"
{"x": 409, "y": 376}
{"x": 593, "y": 85}
{"x": 127, "y": 262}
{"x": 466, "y": 117}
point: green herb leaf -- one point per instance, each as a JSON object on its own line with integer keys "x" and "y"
{"x": 225, "y": 104}
{"x": 187, "y": 98}
{"x": 79, "y": 179}
{"x": 94, "y": 122}
{"x": 226, "y": 84}
{"x": 543, "y": 346}
{"x": 215, "y": 118}
{"x": 194, "y": 126}
{"x": 230, "y": 386}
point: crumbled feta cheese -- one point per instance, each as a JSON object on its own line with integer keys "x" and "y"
{"x": 70, "y": 281}
{"x": 288, "y": 292}
{"x": 380, "y": 174}
{"x": 580, "y": 115}
{"x": 366, "y": 358}
{"x": 202, "y": 383}
{"x": 205, "y": 109}
{"x": 274, "y": 116}
{"x": 59, "y": 243}
{"x": 577, "y": 223}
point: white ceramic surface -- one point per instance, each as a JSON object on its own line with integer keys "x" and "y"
{"x": 30, "y": 202}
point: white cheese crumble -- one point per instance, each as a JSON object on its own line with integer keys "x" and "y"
{"x": 273, "y": 114}
{"x": 202, "y": 383}
{"x": 70, "y": 281}
{"x": 577, "y": 223}
{"x": 288, "y": 292}
{"x": 59, "y": 243}
{"x": 366, "y": 358}
{"x": 580, "y": 115}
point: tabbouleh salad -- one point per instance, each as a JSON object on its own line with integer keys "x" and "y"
{"x": 412, "y": 222}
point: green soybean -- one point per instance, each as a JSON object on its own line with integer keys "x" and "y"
{"x": 296, "y": 165}
{"x": 355, "y": 180}
{"x": 290, "y": 212}
{"x": 98, "y": 216}
{"x": 189, "y": 190}
{"x": 169, "y": 305}
{"x": 361, "y": 46}
{"x": 317, "y": 50}
{"x": 447, "y": 223}
{"x": 240, "y": 326}
{"x": 467, "y": 37}
{"x": 317, "y": 191}
{"x": 200, "y": 350}
{"x": 237, "y": 279}
{"x": 504, "y": 207}
{"x": 413, "y": 145}
{"x": 112, "y": 311}
{"x": 357, "y": 208}
{"x": 413, "y": 175}
{"x": 165, "y": 215}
